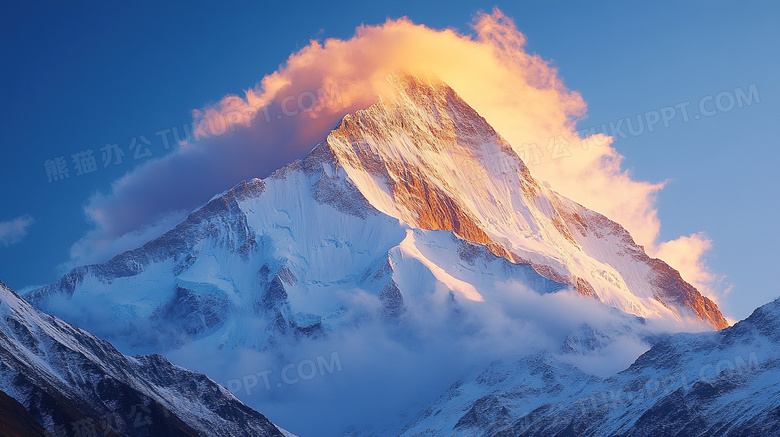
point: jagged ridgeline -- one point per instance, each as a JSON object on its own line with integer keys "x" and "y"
{"x": 362, "y": 211}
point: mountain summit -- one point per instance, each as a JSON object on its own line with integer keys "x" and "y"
{"x": 411, "y": 195}
{"x": 428, "y": 159}
{"x": 412, "y": 235}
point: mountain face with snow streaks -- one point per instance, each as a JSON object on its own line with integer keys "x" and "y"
{"x": 71, "y": 383}
{"x": 413, "y": 193}
{"x": 429, "y": 159}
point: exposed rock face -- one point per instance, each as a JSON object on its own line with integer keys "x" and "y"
{"x": 392, "y": 301}
{"x": 15, "y": 421}
{"x": 73, "y": 384}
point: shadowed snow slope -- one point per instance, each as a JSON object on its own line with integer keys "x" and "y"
{"x": 724, "y": 383}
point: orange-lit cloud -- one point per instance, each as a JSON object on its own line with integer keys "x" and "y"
{"x": 520, "y": 94}
{"x": 686, "y": 254}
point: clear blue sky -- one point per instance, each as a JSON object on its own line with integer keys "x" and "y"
{"x": 78, "y": 77}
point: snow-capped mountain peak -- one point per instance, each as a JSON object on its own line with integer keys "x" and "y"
{"x": 413, "y": 214}
{"x": 361, "y": 211}
{"x": 427, "y": 158}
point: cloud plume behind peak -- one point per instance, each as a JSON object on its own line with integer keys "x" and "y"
{"x": 290, "y": 110}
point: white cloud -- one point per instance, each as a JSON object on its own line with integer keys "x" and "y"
{"x": 13, "y": 231}
{"x": 390, "y": 369}
{"x": 95, "y": 248}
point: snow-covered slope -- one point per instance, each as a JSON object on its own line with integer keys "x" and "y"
{"x": 724, "y": 383}
{"x": 74, "y": 384}
{"x": 414, "y": 193}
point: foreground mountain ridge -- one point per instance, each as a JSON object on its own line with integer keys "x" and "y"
{"x": 74, "y": 384}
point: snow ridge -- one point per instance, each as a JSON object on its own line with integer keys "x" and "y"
{"x": 721, "y": 383}
{"x": 65, "y": 376}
